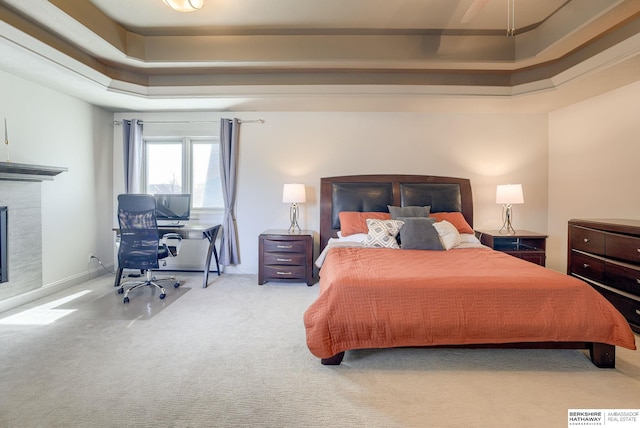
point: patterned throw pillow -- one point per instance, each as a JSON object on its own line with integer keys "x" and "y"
{"x": 382, "y": 233}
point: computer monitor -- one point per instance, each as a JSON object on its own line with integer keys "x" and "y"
{"x": 175, "y": 207}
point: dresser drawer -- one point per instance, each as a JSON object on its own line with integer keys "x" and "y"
{"x": 291, "y": 259}
{"x": 288, "y": 246}
{"x": 285, "y": 272}
{"x": 589, "y": 267}
{"x": 627, "y": 306}
{"x": 625, "y": 278}
{"x": 623, "y": 248}
{"x": 589, "y": 240}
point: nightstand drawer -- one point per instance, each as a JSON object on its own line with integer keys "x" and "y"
{"x": 281, "y": 246}
{"x": 291, "y": 259}
{"x": 285, "y": 272}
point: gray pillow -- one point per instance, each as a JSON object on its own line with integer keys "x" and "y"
{"x": 418, "y": 233}
{"x": 409, "y": 211}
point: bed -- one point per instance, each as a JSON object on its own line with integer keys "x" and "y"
{"x": 459, "y": 294}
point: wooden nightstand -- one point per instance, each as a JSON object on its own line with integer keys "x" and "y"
{"x": 285, "y": 256}
{"x": 529, "y": 246}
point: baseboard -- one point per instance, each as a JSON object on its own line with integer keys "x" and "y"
{"x": 54, "y": 287}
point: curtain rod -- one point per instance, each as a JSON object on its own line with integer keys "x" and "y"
{"x": 171, "y": 122}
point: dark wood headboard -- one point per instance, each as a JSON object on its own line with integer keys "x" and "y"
{"x": 375, "y": 192}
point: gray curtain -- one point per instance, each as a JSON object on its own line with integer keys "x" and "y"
{"x": 132, "y": 144}
{"x": 229, "y": 131}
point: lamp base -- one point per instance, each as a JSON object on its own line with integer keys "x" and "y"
{"x": 507, "y": 227}
{"x": 293, "y": 216}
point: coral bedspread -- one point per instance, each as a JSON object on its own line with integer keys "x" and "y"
{"x": 382, "y": 298}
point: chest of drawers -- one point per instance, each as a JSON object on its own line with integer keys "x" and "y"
{"x": 606, "y": 254}
{"x": 285, "y": 256}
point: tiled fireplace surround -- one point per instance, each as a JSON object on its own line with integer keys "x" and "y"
{"x": 20, "y": 192}
{"x": 24, "y": 218}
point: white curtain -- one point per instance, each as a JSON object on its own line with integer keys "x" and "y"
{"x": 229, "y": 132}
{"x": 132, "y": 145}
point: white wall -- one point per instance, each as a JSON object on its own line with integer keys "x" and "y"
{"x": 593, "y": 164}
{"x": 490, "y": 149}
{"x": 49, "y": 128}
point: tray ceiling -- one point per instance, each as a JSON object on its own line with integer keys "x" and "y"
{"x": 320, "y": 54}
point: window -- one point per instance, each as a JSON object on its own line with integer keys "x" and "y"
{"x": 187, "y": 165}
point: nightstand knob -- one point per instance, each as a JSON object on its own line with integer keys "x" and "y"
{"x": 285, "y": 246}
{"x": 637, "y": 280}
{"x": 283, "y": 260}
{"x": 586, "y": 266}
{"x": 586, "y": 239}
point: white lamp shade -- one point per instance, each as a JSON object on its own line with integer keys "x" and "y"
{"x": 509, "y": 194}
{"x": 185, "y": 5}
{"x": 294, "y": 194}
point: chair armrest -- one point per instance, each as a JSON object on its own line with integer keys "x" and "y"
{"x": 172, "y": 242}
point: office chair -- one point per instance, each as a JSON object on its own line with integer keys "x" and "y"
{"x": 141, "y": 247}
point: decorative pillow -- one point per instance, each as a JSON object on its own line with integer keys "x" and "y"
{"x": 382, "y": 233}
{"x": 418, "y": 233}
{"x": 410, "y": 211}
{"x": 467, "y": 238}
{"x": 356, "y": 237}
{"x": 449, "y": 235}
{"x": 356, "y": 222}
{"x": 455, "y": 218}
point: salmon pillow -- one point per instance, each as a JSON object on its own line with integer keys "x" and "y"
{"x": 456, "y": 219}
{"x": 352, "y": 222}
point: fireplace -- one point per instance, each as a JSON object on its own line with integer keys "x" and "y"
{"x": 21, "y": 242}
{"x": 4, "y": 237}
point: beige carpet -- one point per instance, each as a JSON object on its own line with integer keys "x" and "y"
{"x": 234, "y": 355}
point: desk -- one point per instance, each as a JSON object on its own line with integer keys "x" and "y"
{"x": 190, "y": 231}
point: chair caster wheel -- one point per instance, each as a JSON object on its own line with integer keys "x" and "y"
{"x": 125, "y": 300}
{"x": 120, "y": 290}
{"x": 162, "y": 296}
{"x": 176, "y": 285}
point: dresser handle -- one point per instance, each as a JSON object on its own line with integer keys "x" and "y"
{"x": 586, "y": 266}
{"x": 637, "y": 280}
{"x": 638, "y": 311}
{"x": 284, "y": 260}
{"x": 284, "y": 273}
{"x": 586, "y": 239}
{"x": 285, "y": 246}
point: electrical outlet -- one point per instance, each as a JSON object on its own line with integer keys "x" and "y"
{"x": 91, "y": 257}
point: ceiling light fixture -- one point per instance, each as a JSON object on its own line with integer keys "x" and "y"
{"x": 185, "y": 5}
{"x": 511, "y": 17}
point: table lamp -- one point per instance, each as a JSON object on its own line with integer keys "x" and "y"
{"x": 294, "y": 194}
{"x": 507, "y": 195}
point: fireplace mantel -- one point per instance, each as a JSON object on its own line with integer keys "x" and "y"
{"x": 11, "y": 171}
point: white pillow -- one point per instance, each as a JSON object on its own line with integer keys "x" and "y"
{"x": 382, "y": 233}
{"x": 468, "y": 238}
{"x": 449, "y": 235}
{"x": 356, "y": 237}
